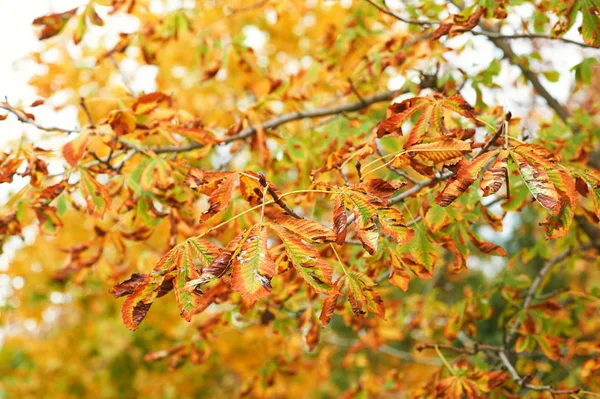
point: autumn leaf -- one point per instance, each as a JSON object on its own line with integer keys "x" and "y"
{"x": 329, "y": 305}
{"x": 468, "y": 172}
{"x": 73, "y": 151}
{"x": 485, "y": 246}
{"x": 361, "y": 295}
{"x": 458, "y": 23}
{"x": 95, "y": 194}
{"x": 308, "y": 230}
{"x": 138, "y": 303}
{"x": 220, "y": 198}
{"x": 537, "y": 180}
{"x": 186, "y": 271}
{"x": 252, "y": 268}
{"x": 316, "y": 272}
{"x": 53, "y": 24}
{"x": 495, "y": 176}
{"x": 431, "y": 116}
{"x": 340, "y": 219}
{"x": 440, "y": 151}
{"x": 392, "y": 224}
{"x": 149, "y": 102}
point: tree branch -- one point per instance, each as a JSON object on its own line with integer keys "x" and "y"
{"x": 536, "y": 284}
{"x": 290, "y": 117}
{"x": 522, "y": 381}
{"x": 539, "y": 88}
{"x": 23, "y": 118}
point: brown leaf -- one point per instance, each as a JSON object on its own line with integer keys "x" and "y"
{"x": 467, "y": 173}
{"x": 73, "y": 151}
{"x": 149, "y": 102}
{"x": 340, "y": 219}
{"x": 53, "y": 24}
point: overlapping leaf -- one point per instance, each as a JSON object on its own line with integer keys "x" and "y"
{"x": 362, "y": 297}
{"x": 253, "y": 268}
{"x": 95, "y": 194}
{"x": 316, "y": 272}
{"x": 495, "y": 176}
{"x": 467, "y": 173}
{"x": 440, "y": 151}
{"x": 536, "y": 178}
{"x": 431, "y": 115}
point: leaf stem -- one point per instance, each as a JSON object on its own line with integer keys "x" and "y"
{"x": 441, "y": 356}
{"x": 338, "y": 258}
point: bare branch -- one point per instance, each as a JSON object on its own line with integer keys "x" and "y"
{"x": 522, "y": 381}
{"x": 539, "y": 88}
{"x": 399, "y": 18}
{"x": 126, "y": 81}
{"x": 87, "y": 111}
{"x": 276, "y": 198}
{"x": 23, "y": 118}
{"x": 530, "y": 36}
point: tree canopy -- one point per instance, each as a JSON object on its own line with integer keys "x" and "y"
{"x": 317, "y": 199}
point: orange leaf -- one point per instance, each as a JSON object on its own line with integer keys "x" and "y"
{"x": 53, "y": 24}
{"x": 307, "y": 229}
{"x": 253, "y": 268}
{"x": 440, "y": 151}
{"x": 467, "y": 173}
{"x": 340, "y": 219}
{"x": 73, "y": 151}
{"x": 149, "y": 102}
{"x": 494, "y": 177}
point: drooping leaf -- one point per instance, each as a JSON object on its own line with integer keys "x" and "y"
{"x": 220, "y": 198}
{"x": 440, "y": 151}
{"x": 95, "y": 194}
{"x": 486, "y": 246}
{"x": 422, "y": 251}
{"x": 137, "y": 304}
{"x": 329, "y": 305}
{"x": 537, "y": 180}
{"x": 393, "y": 224}
{"x": 53, "y": 24}
{"x": 74, "y": 149}
{"x": 149, "y": 102}
{"x": 467, "y": 173}
{"x": 306, "y": 260}
{"x": 340, "y": 220}
{"x": 380, "y": 189}
{"x": 309, "y": 230}
{"x": 458, "y": 23}
{"x": 361, "y": 295}
{"x": 495, "y": 176}
{"x": 185, "y": 272}
{"x": 253, "y": 268}
{"x": 221, "y": 263}
{"x": 367, "y": 234}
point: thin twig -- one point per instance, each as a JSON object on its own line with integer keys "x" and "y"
{"x": 468, "y": 351}
{"x": 276, "y": 198}
{"x": 530, "y": 36}
{"x": 488, "y": 33}
{"x": 523, "y": 381}
{"x": 535, "y": 285}
{"x": 87, "y": 111}
{"x": 126, "y": 81}
{"x": 399, "y": 18}
{"x": 23, "y": 118}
